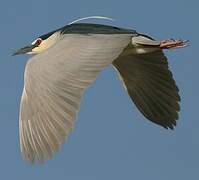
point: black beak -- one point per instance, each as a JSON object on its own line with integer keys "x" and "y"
{"x": 24, "y": 50}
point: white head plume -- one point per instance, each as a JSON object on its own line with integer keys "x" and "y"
{"x": 91, "y": 17}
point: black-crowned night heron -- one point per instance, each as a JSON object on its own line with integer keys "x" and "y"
{"x": 66, "y": 61}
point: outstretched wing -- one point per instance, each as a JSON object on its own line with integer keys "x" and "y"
{"x": 150, "y": 85}
{"x": 54, "y": 83}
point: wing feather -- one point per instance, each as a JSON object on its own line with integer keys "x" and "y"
{"x": 54, "y": 84}
{"x": 150, "y": 85}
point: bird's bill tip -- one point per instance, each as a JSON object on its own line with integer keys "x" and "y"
{"x": 24, "y": 50}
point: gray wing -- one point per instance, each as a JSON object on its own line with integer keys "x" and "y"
{"x": 150, "y": 85}
{"x": 54, "y": 83}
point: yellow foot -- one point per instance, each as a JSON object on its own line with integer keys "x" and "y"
{"x": 173, "y": 44}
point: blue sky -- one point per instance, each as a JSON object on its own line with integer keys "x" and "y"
{"x": 111, "y": 140}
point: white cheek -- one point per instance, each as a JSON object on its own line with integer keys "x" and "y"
{"x": 45, "y": 44}
{"x": 36, "y": 50}
{"x": 30, "y": 52}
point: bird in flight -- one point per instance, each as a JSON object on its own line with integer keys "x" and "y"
{"x": 64, "y": 64}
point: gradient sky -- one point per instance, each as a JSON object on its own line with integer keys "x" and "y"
{"x": 111, "y": 140}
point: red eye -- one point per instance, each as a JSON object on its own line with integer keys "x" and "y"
{"x": 38, "y": 42}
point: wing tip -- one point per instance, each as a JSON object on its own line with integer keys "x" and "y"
{"x": 169, "y": 125}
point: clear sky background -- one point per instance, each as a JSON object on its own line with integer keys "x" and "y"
{"x": 111, "y": 140}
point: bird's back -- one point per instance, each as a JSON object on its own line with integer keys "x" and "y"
{"x": 87, "y": 28}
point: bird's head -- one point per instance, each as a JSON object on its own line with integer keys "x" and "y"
{"x": 40, "y": 44}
